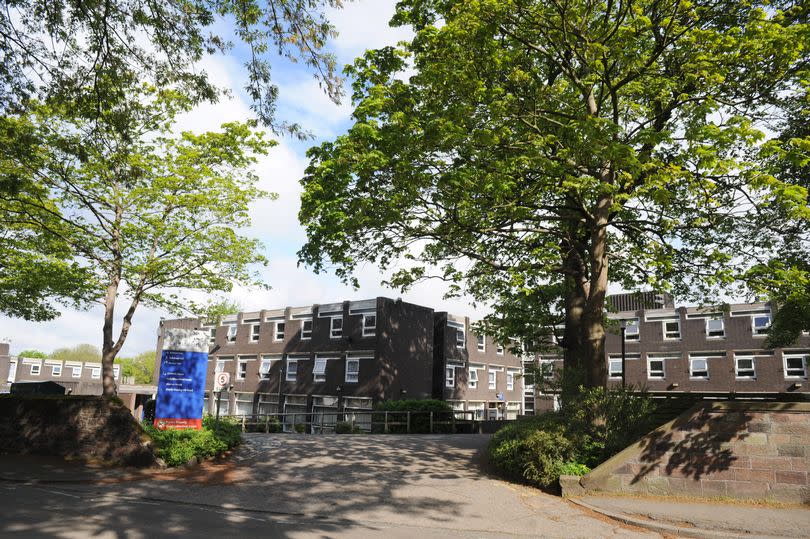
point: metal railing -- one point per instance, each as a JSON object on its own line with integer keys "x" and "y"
{"x": 361, "y": 421}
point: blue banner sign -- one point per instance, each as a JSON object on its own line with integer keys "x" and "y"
{"x": 181, "y": 383}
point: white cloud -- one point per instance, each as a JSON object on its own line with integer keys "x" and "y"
{"x": 364, "y": 25}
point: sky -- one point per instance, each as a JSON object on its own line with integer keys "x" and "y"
{"x": 362, "y": 25}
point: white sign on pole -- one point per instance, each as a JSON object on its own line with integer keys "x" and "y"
{"x": 221, "y": 380}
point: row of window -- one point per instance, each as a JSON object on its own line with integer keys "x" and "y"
{"x": 291, "y": 374}
{"x": 795, "y": 365}
{"x": 369, "y": 328}
{"x": 473, "y": 378}
{"x": 715, "y": 327}
{"x": 35, "y": 369}
{"x": 481, "y": 340}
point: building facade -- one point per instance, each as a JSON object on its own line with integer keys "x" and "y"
{"x": 331, "y": 358}
{"x": 699, "y": 350}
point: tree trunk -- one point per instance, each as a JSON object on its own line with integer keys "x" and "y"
{"x": 593, "y": 328}
{"x": 108, "y": 351}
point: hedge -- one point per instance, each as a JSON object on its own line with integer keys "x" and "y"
{"x": 178, "y": 447}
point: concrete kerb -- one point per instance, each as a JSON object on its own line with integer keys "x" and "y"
{"x": 669, "y": 529}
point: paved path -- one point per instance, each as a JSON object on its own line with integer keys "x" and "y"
{"x": 297, "y": 486}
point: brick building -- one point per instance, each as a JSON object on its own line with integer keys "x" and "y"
{"x": 698, "y": 350}
{"x": 346, "y": 356}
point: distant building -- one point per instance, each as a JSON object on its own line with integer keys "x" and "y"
{"x": 348, "y": 355}
{"x": 698, "y": 350}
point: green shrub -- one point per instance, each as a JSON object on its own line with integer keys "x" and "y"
{"x": 177, "y": 447}
{"x": 345, "y": 427}
{"x": 300, "y": 428}
{"x": 590, "y": 428}
{"x": 420, "y": 420}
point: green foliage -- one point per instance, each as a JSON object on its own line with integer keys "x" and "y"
{"x": 33, "y": 353}
{"x": 140, "y": 367}
{"x": 542, "y": 150}
{"x": 300, "y": 428}
{"x": 177, "y": 447}
{"x": 80, "y": 352}
{"x": 586, "y": 432}
{"x": 345, "y": 427}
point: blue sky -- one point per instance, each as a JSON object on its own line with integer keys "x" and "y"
{"x": 362, "y": 24}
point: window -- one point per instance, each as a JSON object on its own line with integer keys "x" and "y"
{"x": 760, "y": 324}
{"x": 460, "y": 338}
{"x": 795, "y": 365}
{"x": 95, "y": 374}
{"x": 244, "y": 404}
{"x": 278, "y": 334}
{"x": 499, "y": 350}
{"x": 655, "y": 368}
{"x": 547, "y": 368}
{"x": 450, "y": 377}
{"x": 241, "y": 372}
{"x": 231, "y": 333}
{"x": 615, "y": 366}
{"x": 56, "y": 370}
{"x": 306, "y": 329}
{"x": 699, "y": 368}
{"x": 492, "y": 379}
{"x": 472, "y": 379}
{"x": 482, "y": 343}
{"x": 715, "y": 328}
{"x": 35, "y": 370}
{"x": 264, "y": 368}
{"x": 672, "y": 329}
{"x": 77, "y": 372}
{"x": 254, "y": 332}
{"x": 220, "y": 366}
{"x": 744, "y": 367}
{"x": 631, "y": 332}
{"x": 292, "y": 369}
{"x": 212, "y": 335}
{"x": 319, "y": 371}
{"x": 336, "y": 327}
{"x": 510, "y": 381}
{"x": 268, "y": 404}
{"x": 369, "y": 325}
{"x": 352, "y": 370}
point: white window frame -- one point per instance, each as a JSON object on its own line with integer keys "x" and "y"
{"x": 255, "y": 332}
{"x": 241, "y": 373}
{"x": 793, "y": 355}
{"x": 264, "y": 373}
{"x": 481, "y": 343}
{"x": 95, "y": 373}
{"x": 692, "y": 370}
{"x": 56, "y": 370}
{"x": 492, "y": 379}
{"x": 671, "y": 335}
{"x": 335, "y": 333}
{"x": 319, "y": 375}
{"x": 35, "y": 369}
{"x": 369, "y": 330}
{"x": 636, "y": 335}
{"x": 230, "y": 337}
{"x": 614, "y": 360}
{"x": 290, "y": 371}
{"x": 461, "y": 343}
{"x": 722, "y": 321}
{"x": 663, "y": 371}
{"x": 306, "y": 335}
{"x": 77, "y": 371}
{"x": 212, "y": 335}
{"x": 499, "y": 349}
{"x": 352, "y": 377}
{"x": 753, "y": 359}
{"x": 472, "y": 378}
{"x": 278, "y": 334}
{"x": 449, "y": 376}
{"x": 762, "y": 331}
{"x": 510, "y": 381}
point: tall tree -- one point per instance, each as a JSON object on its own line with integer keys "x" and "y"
{"x": 80, "y": 352}
{"x": 547, "y": 146}
{"x": 149, "y": 213}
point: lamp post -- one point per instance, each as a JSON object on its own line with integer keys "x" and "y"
{"x": 623, "y": 325}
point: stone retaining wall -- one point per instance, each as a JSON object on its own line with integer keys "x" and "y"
{"x": 749, "y": 450}
{"x": 88, "y": 428}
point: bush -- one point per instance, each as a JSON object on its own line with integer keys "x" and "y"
{"x": 588, "y": 430}
{"x": 345, "y": 427}
{"x": 177, "y": 447}
{"x": 420, "y": 421}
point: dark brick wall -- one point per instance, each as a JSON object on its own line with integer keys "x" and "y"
{"x": 81, "y": 427}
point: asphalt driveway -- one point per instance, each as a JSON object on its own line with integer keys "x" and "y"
{"x": 282, "y": 485}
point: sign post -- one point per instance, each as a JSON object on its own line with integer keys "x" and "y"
{"x": 181, "y": 383}
{"x": 220, "y": 382}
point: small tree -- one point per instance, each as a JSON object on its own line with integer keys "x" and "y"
{"x": 140, "y": 367}
{"x": 148, "y": 213}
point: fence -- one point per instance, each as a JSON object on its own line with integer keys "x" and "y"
{"x": 357, "y": 421}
